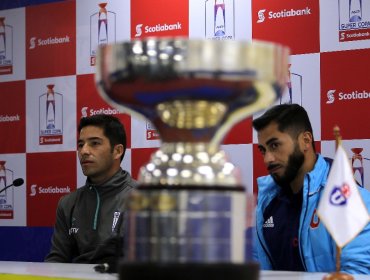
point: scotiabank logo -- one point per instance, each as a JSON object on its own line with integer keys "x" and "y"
{"x": 11, "y": 118}
{"x": 140, "y": 28}
{"x": 261, "y": 16}
{"x": 271, "y": 15}
{"x": 86, "y": 112}
{"x": 346, "y": 96}
{"x": 330, "y": 96}
{"x": 35, "y": 42}
{"x": 49, "y": 190}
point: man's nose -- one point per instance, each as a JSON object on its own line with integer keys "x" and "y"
{"x": 84, "y": 149}
{"x": 268, "y": 158}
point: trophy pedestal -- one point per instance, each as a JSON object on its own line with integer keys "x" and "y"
{"x": 187, "y": 271}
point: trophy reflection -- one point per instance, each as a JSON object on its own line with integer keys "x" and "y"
{"x": 187, "y": 217}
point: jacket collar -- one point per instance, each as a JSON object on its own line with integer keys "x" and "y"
{"x": 315, "y": 179}
{"x": 120, "y": 179}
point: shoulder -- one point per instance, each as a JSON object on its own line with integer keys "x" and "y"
{"x": 365, "y": 196}
{"x": 267, "y": 188}
{"x": 318, "y": 175}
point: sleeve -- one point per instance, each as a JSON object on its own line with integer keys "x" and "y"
{"x": 62, "y": 244}
{"x": 355, "y": 258}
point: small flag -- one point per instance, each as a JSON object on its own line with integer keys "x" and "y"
{"x": 341, "y": 208}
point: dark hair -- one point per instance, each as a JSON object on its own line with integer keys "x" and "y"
{"x": 290, "y": 118}
{"x": 112, "y": 127}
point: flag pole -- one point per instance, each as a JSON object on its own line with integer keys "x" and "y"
{"x": 337, "y": 275}
{"x": 338, "y": 137}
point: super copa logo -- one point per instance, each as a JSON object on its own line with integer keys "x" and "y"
{"x": 220, "y": 19}
{"x": 358, "y": 168}
{"x": 294, "y": 89}
{"x": 332, "y": 95}
{"x": 354, "y": 20}
{"x": 6, "y": 47}
{"x": 51, "y": 117}
{"x": 102, "y": 29}
{"x": 7, "y": 195}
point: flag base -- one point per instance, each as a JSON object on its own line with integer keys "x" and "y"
{"x": 338, "y": 276}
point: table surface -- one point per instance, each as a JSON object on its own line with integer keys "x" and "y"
{"x": 86, "y": 271}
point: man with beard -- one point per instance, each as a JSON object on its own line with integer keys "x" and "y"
{"x": 89, "y": 222}
{"x": 289, "y": 233}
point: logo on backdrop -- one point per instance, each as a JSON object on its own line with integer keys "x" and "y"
{"x": 354, "y": 20}
{"x": 6, "y": 48}
{"x": 86, "y": 112}
{"x": 7, "y": 196}
{"x": 40, "y": 190}
{"x": 10, "y": 118}
{"x": 102, "y": 30}
{"x": 294, "y": 89}
{"x": 151, "y": 132}
{"x": 358, "y": 169}
{"x": 42, "y": 42}
{"x": 51, "y": 117}
{"x": 219, "y": 19}
{"x": 158, "y": 28}
{"x": 332, "y": 95}
{"x": 264, "y": 15}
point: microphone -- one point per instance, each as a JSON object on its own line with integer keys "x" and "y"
{"x": 16, "y": 183}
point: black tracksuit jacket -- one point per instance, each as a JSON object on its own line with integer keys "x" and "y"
{"x": 89, "y": 222}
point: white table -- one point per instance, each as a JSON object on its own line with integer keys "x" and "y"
{"x": 86, "y": 271}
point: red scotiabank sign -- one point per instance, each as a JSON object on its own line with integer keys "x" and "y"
{"x": 170, "y": 19}
{"x": 295, "y": 24}
{"x": 51, "y": 40}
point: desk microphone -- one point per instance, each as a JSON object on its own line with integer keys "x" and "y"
{"x": 16, "y": 183}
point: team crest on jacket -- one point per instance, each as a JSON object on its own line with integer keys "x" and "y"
{"x": 315, "y": 220}
{"x": 115, "y": 219}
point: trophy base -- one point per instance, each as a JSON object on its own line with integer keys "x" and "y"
{"x": 186, "y": 271}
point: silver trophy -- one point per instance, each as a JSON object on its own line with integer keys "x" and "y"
{"x": 187, "y": 220}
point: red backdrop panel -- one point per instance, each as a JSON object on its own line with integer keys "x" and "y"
{"x": 290, "y": 22}
{"x": 159, "y": 18}
{"x": 345, "y": 94}
{"x": 49, "y": 177}
{"x": 13, "y": 117}
{"x": 51, "y": 40}
{"x": 139, "y": 157}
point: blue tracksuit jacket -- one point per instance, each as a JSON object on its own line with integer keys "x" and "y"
{"x": 317, "y": 248}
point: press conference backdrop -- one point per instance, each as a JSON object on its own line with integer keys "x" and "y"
{"x": 47, "y": 58}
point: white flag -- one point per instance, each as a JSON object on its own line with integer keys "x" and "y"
{"x": 341, "y": 208}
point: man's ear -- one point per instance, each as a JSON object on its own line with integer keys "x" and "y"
{"x": 307, "y": 140}
{"x": 118, "y": 151}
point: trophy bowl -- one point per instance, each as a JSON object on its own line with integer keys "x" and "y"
{"x": 188, "y": 214}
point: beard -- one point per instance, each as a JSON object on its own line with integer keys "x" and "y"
{"x": 295, "y": 162}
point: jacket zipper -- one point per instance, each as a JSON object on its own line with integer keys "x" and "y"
{"x": 301, "y": 226}
{"x": 96, "y": 209}
{"x": 266, "y": 251}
